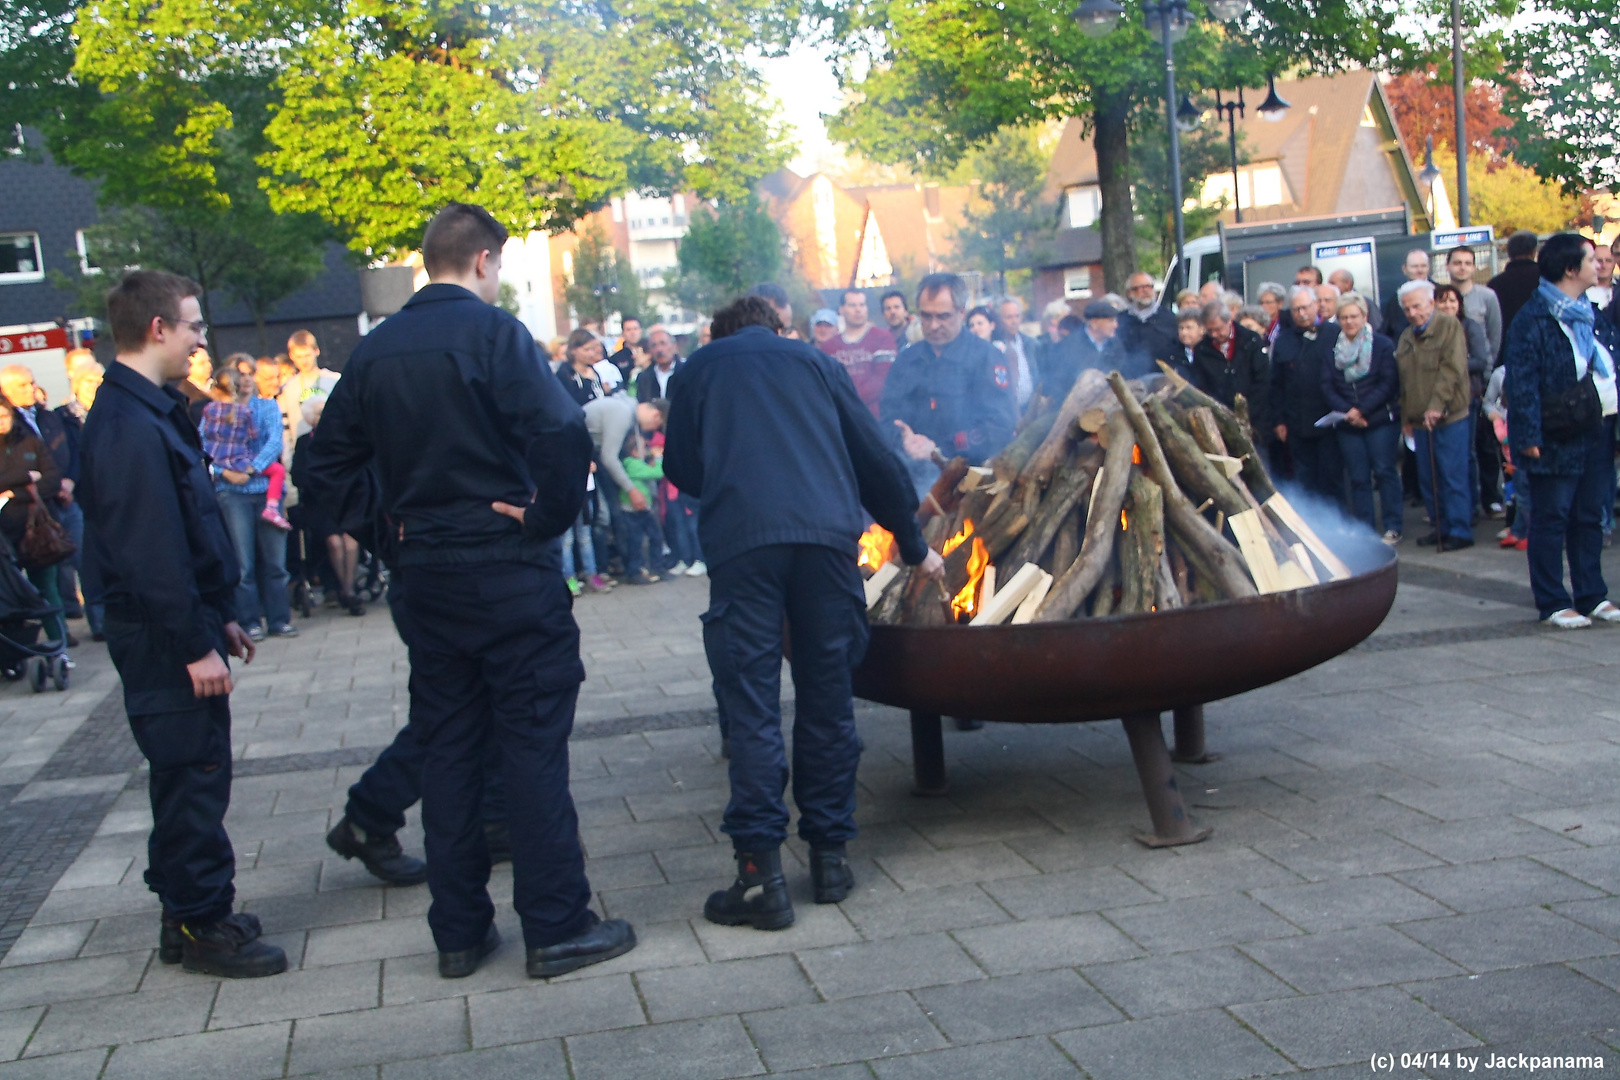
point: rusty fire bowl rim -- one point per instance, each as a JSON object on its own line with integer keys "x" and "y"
{"x": 1121, "y": 665}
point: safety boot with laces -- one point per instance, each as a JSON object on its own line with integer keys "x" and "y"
{"x": 171, "y": 942}
{"x": 830, "y": 874}
{"x": 758, "y": 898}
{"x": 224, "y": 949}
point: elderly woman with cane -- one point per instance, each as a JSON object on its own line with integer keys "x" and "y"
{"x": 1433, "y": 361}
{"x": 1561, "y": 395}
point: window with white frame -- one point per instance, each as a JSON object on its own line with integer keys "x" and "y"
{"x": 87, "y": 261}
{"x": 19, "y": 258}
{"x": 1084, "y": 205}
{"x": 1077, "y": 282}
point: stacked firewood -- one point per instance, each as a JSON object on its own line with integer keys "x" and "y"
{"x": 1121, "y": 499}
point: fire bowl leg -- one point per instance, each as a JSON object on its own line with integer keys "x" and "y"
{"x": 1190, "y": 747}
{"x": 928, "y": 755}
{"x": 1171, "y": 825}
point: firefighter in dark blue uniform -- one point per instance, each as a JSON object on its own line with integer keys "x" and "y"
{"x": 480, "y": 463}
{"x": 950, "y": 392}
{"x": 771, "y": 435}
{"x": 159, "y": 556}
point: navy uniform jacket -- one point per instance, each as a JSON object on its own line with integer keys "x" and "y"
{"x": 961, "y": 398}
{"x": 458, "y": 409}
{"x": 156, "y": 547}
{"x": 1297, "y": 365}
{"x": 771, "y": 435}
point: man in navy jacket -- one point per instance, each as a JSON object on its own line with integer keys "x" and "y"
{"x": 772, "y": 436}
{"x": 480, "y": 463}
{"x": 158, "y": 555}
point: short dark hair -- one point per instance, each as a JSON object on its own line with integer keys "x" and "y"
{"x": 767, "y": 290}
{"x": 985, "y": 311}
{"x": 1462, "y": 249}
{"x": 1562, "y": 254}
{"x": 142, "y": 296}
{"x": 456, "y": 235}
{"x": 884, "y": 299}
{"x": 1522, "y": 245}
{"x": 1189, "y": 315}
{"x": 1070, "y": 323}
{"x": 844, "y": 296}
{"x": 579, "y": 337}
{"x": 1312, "y": 270}
{"x": 744, "y": 311}
{"x": 952, "y": 283}
{"x": 662, "y": 405}
{"x": 628, "y": 319}
{"x": 1447, "y": 290}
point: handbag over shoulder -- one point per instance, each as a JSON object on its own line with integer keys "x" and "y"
{"x": 44, "y": 542}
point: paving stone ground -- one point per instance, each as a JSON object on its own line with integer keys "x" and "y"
{"x": 1416, "y": 850}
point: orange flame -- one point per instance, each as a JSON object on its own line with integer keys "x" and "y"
{"x": 956, "y": 541}
{"x": 966, "y": 602}
{"x": 877, "y": 547}
{"x": 1136, "y": 454}
{"x": 1124, "y": 522}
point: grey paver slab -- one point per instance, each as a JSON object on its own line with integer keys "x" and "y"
{"x": 108, "y": 1021}
{"x": 841, "y": 1031}
{"x": 734, "y": 986}
{"x": 1015, "y": 1005}
{"x": 1596, "y": 866}
{"x": 542, "y": 1060}
{"x": 1523, "y": 1005}
{"x": 252, "y": 1053}
{"x": 1026, "y": 1059}
{"x": 1185, "y": 982}
{"x": 341, "y": 988}
{"x": 39, "y": 944}
{"x": 394, "y": 1033}
{"x": 544, "y": 1010}
{"x": 815, "y": 925}
{"x": 82, "y": 1065}
{"x": 1349, "y": 856}
{"x": 1601, "y": 915}
{"x": 896, "y": 964}
{"x": 1202, "y": 922}
{"x": 1042, "y": 944}
{"x": 69, "y": 980}
{"x": 1504, "y": 883}
{"x": 1205, "y": 872}
{"x": 1349, "y": 959}
{"x": 923, "y": 911}
{"x": 1516, "y": 937}
{"x": 710, "y": 1049}
{"x": 1069, "y": 893}
{"x": 16, "y": 1026}
{"x": 979, "y": 862}
{"x": 1165, "y": 1046}
{"x": 1342, "y": 905}
{"x": 1335, "y": 1029}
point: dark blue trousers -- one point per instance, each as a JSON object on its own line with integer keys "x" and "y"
{"x": 1568, "y": 517}
{"x": 1446, "y": 496}
{"x": 495, "y": 657}
{"x": 1372, "y": 452}
{"x": 818, "y": 591}
{"x": 187, "y": 742}
{"x": 393, "y": 784}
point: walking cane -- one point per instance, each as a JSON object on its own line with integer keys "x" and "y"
{"x": 1434, "y": 486}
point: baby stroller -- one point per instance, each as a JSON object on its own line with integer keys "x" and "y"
{"x": 22, "y": 610}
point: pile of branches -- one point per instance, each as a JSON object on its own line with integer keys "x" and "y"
{"x": 1124, "y": 498}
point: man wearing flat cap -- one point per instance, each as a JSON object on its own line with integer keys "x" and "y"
{"x": 1095, "y": 345}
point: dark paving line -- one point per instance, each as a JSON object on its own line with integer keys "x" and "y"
{"x": 1480, "y": 588}
{"x": 1461, "y": 635}
{"x": 102, "y": 745}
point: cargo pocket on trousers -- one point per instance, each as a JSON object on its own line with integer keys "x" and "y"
{"x": 193, "y": 737}
{"x": 717, "y": 640}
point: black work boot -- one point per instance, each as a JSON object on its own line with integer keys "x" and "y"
{"x": 602, "y": 940}
{"x": 758, "y": 898}
{"x": 225, "y": 950}
{"x": 171, "y": 942}
{"x": 381, "y": 855}
{"x": 498, "y": 838}
{"x": 460, "y": 963}
{"x": 830, "y": 873}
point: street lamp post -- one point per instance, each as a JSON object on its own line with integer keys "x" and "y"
{"x": 1232, "y": 110}
{"x": 1168, "y": 21}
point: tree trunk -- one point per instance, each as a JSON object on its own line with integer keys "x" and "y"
{"x": 1117, "y": 221}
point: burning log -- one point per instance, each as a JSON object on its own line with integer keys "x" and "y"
{"x": 1208, "y": 548}
{"x": 943, "y": 498}
{"x": 1143, "y": 541}
{"x": 1108, "y": 495}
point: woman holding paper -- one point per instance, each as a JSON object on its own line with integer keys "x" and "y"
{"x": 1364, "y": 384}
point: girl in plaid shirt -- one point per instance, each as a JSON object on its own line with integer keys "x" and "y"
{"x": 232, "y": 437}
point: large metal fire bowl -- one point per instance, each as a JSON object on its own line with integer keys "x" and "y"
{"x": 1130, "y": 667}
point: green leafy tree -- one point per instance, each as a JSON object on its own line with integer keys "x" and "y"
{"x": 725, "y": 252}
{"x": 600, "y": 284}
{"x": 1562, "y": 98}
{"x": 1008, "y": 224}
{"x": 936, "y": 80}
{"x": 1205, "y": 152}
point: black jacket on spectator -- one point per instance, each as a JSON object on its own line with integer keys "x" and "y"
{"x": 770, "y": 434}
{"x": 1377, "y": 394}
{"x": 1297, "y": 362}
{"x": 156, "y": 549}
{"x": 22, "y": 452}
{"x": 955, "y": 398}
{"x": 580, "y": 388}
{"x": 1514, "y": 286}
{"x": 53, "y": 433}
{"x": 647, "y": 381}
{"x": 458, "y": 409}
{"x": 1153, "y": 337}
{"x": 73, "y": 428}
{"x": 1248, "y": 374}
{"x": 1395, "y": 323}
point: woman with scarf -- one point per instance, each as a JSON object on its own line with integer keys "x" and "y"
{"x": 1363, "y": 383}
{"x": 1561, "y": 395}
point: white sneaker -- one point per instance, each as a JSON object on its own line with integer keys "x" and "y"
{"x": 698, "y": 569}
{"x": 1570, "y": 619}
{"x": 1605, "y": 611}
{"x": 1391, "y": 537}
{"x": 677, "y": 569}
